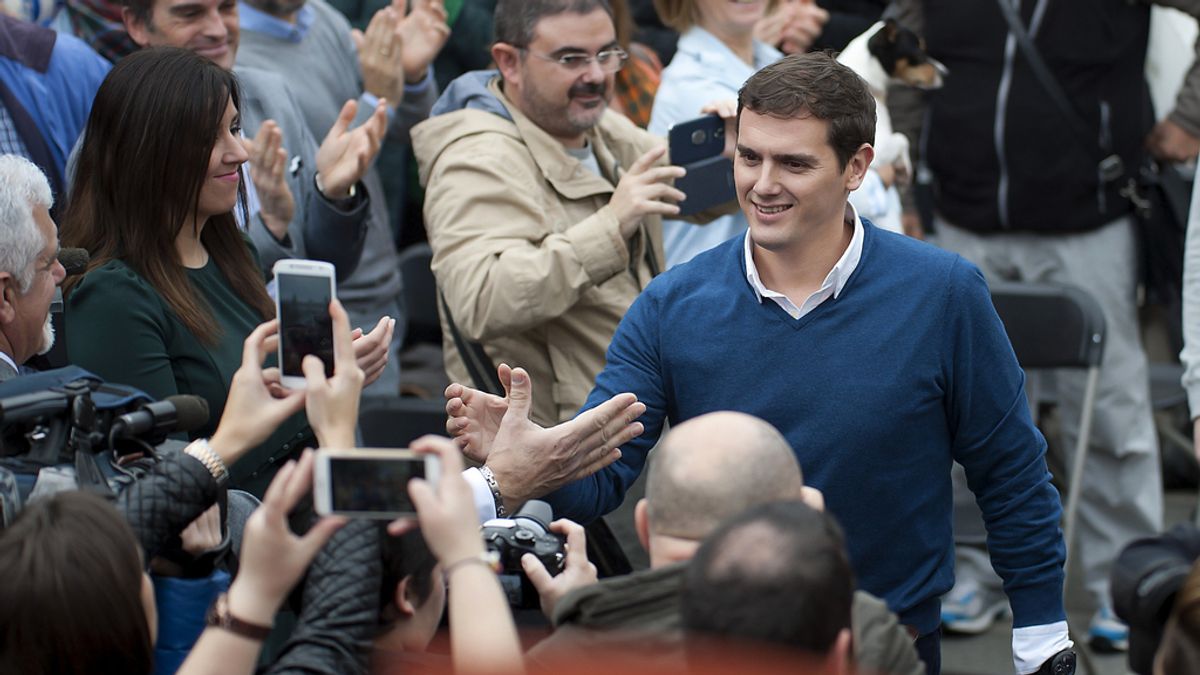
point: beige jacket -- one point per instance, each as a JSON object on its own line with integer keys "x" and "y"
{"x": 525, "y": 248}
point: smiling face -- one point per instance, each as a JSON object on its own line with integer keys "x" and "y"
{"x": 207, "y": 27}
{"x": 565, "y": 102}
{"x": 26, "y": 314}
{"x": 730, "y": 15}
{"x": 788, "y": 179}
{"x": 219, "y": 192}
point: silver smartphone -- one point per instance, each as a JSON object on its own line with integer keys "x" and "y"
{"x": 369, "y": 482}
{"x": 303, "y": 291}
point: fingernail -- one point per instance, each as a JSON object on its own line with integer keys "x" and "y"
{"x": 518, "y": 377}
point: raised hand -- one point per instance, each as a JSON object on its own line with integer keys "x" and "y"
{"x": 371, "y": 351}
{"x": 577, "y": 572}
{"x": 332, "y": 403}
{"x": 422, "y": 33}
{"x": 644, "y": 189}
{"x": 1172, "y": 143}
{"x": 345, "y": 155}
{"x": 445, "y": 512}
{"x": 273, "y": 558}
{"x": 474, "y": 416}
{"x": 529, "y": 461}
{"x": 256, "y": 404}
{"x": 268, "y": 171}
{"x": 380, "y": 53}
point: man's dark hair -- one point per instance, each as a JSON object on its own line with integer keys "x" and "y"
{"x": 70, "y": 600}
{"x": 143, "y": 10}
{"x": 776, "y": 574}
{"x": 404, "y": 556}
{"x": 515, "y": 20}
{"x": 815, "y": 84}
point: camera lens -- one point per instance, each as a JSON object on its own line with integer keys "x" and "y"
{"x": 699, "y": 136}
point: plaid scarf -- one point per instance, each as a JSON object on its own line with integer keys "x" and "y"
{"x": 98, "y": 23}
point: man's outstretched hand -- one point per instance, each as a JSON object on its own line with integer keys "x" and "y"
{"x": 527, "y": 460}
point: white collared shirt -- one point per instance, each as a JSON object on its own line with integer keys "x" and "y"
{"x": 9, "y": 360}
{"x": 834, "y": 282}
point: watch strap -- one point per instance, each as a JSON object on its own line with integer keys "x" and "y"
{"x": 202, "y": 451}
{"x": 220, "y": 617}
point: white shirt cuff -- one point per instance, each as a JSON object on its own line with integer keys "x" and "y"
{"x": 485, "y": 506}
{"x": 1034, "y": 645}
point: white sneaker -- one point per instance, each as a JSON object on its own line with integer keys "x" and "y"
{"x": 1108, "y": 634}
{"x": 971, "y": 609}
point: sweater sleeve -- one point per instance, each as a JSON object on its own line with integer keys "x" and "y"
{"x": 117, "y": 327}
{"x": 633, "y": 364}
{"x": 1003, "y": 453}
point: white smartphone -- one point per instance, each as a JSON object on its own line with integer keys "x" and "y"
{"x": 303, "y": 290}
{"x": 369, "y": 482}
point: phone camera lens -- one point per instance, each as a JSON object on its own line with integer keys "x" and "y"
{"x": 699, "y": 136}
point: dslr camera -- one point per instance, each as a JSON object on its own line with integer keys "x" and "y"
{"x": 526, "y": 531}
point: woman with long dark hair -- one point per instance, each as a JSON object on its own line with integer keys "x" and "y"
{"x": 173, "y": 287}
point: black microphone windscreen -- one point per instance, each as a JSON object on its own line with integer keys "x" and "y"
{"x": 191, "y": 412}
{"x": 74, "y": 260}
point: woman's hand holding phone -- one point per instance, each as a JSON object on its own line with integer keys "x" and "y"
{"x": 332, "y": 403}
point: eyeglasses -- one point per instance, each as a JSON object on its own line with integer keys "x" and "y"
{"x": 609, "y": 60}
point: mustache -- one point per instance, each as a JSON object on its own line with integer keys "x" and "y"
{"x": 587, "y": 89}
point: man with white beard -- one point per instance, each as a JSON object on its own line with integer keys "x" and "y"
{"x": 29, "y": 266}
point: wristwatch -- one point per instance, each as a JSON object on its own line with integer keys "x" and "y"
{"x": 1062, "y": 663}
{"x": 219, "y": 616}
{"x": 203, "y": 452}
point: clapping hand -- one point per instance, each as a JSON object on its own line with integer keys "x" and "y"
{"x": 268, "y": 171}
{"x": 380, "y": 54}
{"x": 345, "y": 155}
{"x": 423, "y": 33}
{"x": 371, "y": 351}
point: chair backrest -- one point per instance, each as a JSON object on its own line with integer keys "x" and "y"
{"x": 1051, "y": 325}
{"x": 396, "y": 422}
{"x": 420, "y": 295}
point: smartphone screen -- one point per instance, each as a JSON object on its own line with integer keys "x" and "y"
{"x": 305, "y": 326}
{"x": 372, "y": 485}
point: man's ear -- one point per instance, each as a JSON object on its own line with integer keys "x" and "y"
{"x": 641, "y": 522}
{"x": 8, "y": 297}
{"x": 135, "y": 27}
{"x": 840, "y": 659}
{"x": 405, "y": 598}
{"x": 508, "y": 60}
{"x": 856, "y": 168}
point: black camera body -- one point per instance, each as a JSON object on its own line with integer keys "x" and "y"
{"x": 527, "y": 531}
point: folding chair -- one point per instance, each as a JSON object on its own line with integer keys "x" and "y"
{"x": 1057, "y": 326}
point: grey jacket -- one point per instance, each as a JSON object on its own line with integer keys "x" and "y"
{"x": 319, "y": 229}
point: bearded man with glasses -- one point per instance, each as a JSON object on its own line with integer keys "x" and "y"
{"x": 544, "y": 209}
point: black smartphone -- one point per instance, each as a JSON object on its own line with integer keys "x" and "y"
{"x": 303, "y": 291}
{"x": 696, "y": 145}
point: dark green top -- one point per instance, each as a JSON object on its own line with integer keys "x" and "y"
{"x": 121, "y": 329}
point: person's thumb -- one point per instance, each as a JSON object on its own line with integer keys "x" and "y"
{"x": 520, "y": 393}
{"x": 345, "y": 117}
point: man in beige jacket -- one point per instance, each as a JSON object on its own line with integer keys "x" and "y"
{"x": 543, "y": 207}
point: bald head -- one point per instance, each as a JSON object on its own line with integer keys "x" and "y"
{"x": 713, "y": 467}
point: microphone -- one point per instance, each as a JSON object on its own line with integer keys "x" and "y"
{"x": 74, "y": 260}
{"x": 183, "y": 412}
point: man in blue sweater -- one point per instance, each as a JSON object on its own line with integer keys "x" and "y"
{"x": 879, "y": 358}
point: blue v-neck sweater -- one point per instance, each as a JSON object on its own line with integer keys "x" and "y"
{"x": 877, "y": 391}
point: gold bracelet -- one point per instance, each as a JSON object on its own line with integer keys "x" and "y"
{"x": 203, "y": 452}
{"x": 489, "y": 559}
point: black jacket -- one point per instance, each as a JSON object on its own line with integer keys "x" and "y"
{"x": 341, "y": 591}
{"x": 1004, "y": 157}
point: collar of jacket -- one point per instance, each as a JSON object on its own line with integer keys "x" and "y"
{"x": 569, "y": 176}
